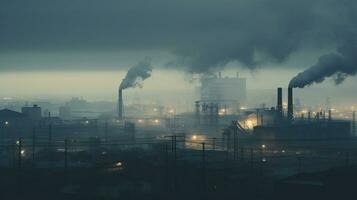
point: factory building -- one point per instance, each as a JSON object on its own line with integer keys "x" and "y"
{"x": 64, "y": 112}
{"x": 13, "y": 118}
{"x": 274, "y": 123}
{"x": 227, "y": 92}
{"x": 34, "y": 112}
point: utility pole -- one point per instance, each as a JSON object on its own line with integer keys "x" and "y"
{"x": 33, "y": 145}
{"x": 242, "y": 155}
{"x": 19, "y": 154}
{"x": 95, "y": 127}
{"x": 175, "y": 148}
{"x": 203, "y": 156}
{"x": 347, "y": 159}
{"x": 106, "y": 130}
{"x": 299, "y": 164}
{"x": 228, "y": 146}
{"x": 50, "y": 135}
{"x": 251, "y": 157}
{"x": 235, "y": 140}
{"x": 214, "y": 144}
{"x": 65, "y": 152}
{"x": 166, "y": 165}
{"x": 204, "y": 174}
{"x": 174, "y": 156}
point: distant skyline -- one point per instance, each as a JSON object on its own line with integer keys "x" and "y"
{"x": 103, "y": 85}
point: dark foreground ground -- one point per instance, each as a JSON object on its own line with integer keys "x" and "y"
{"x": 139, "y": 176}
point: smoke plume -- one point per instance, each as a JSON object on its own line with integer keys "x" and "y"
{"x": 137, "y": 74}
{"x": 337, "y": 65}
{"x": 199, "y": 36}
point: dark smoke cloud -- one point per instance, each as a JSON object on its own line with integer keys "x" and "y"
{"x": 137, "y": 74}
{"x": 336, "y": 65}
{"x": 204, "y": 35}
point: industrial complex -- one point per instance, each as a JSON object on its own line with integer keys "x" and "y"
{"x": 222, "y": 140}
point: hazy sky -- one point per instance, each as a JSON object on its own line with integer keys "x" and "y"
{"x": 83, "y": 47}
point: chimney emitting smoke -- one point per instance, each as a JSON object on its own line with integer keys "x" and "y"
{"x": 120, "y": 104}
{"x": 290, "y": 104}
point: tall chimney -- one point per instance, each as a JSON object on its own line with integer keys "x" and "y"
{"x": 198, "y": 116}
{"x": 120, "y": 104}
{"x": 290, "y": 104}
{"x": 279, "y": 106}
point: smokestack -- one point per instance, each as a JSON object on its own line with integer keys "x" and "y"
{"x": 290, "y": 104}
{"x": 198, "y": 116}
{"x": 279, "y": 106}
{"x": 120, "y": 104}
{"x": 329, "y": 115}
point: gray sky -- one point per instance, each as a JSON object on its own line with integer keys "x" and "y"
{"x": 58, "y": 39}
{"x": 201, "y": 34}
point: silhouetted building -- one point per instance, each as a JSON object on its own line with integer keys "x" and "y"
{"x": 229, "y": 91}
{"x": 13, "y": 124}
{"x": 34, "y": 112}
{"x": 65, "y": 112}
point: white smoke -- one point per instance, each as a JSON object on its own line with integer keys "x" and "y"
{"x": 137, "y": 74}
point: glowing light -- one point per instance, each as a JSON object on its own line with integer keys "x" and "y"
{"x": 6, "y": 123}
{"x": 249, "y": 123}
{"x": 140, "y": 120}
{"x": 264, "y": 160}
{"x": 222, "y": 111}
{"x": 264, "y": 146}
{"x": 283, "y": 151}
{"x": 22, "y": 152}
{"x": 119, "y": 164}
{"x": 156, "y": 121}
{"x": 87, "y": 122}
{"x": 171, "y": 111}
{"x": 194, "y": 137}
{"x": 17, "y": 142}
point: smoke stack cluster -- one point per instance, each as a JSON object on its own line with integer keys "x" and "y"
{"x": 279, "y": 107}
